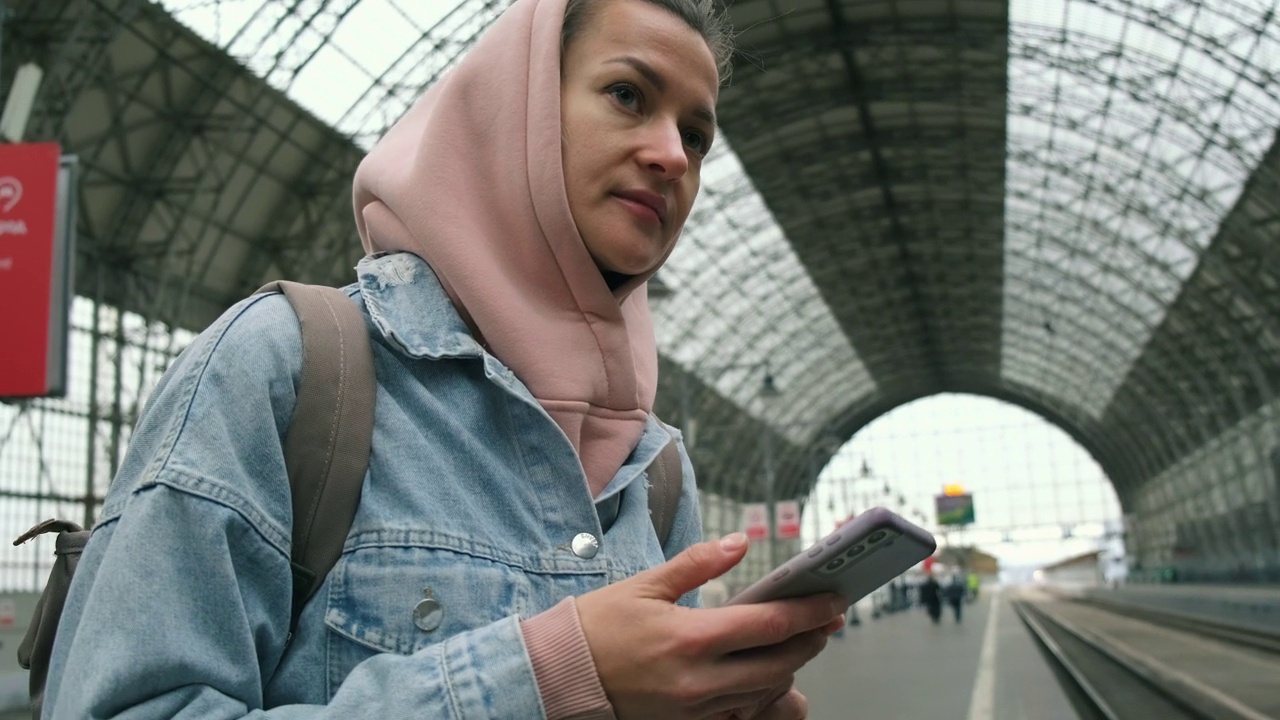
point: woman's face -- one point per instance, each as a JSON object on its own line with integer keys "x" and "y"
{"x": 637, "y": 100}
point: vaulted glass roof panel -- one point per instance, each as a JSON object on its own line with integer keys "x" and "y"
{"x": 357, "y": 64}
{"x": 1134, "y": 126}
{"x": 741, "y": 300}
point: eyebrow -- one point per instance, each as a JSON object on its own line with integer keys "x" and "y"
{"x": 659, "y": 82}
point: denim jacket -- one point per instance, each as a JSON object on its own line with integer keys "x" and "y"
{"x": 181, "y": 602}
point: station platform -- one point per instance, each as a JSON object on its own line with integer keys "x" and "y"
{"x": 991, "y": 666}
{"x": 986, "y": 667}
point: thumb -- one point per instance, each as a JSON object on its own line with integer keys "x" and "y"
{"x": 695, "y": 566}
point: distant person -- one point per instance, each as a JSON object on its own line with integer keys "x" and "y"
{"x": 931, "y": 597}
{"x": 974, "y": 584}
{"x": 902, "y": 596}
{"x": 955, "y": 593}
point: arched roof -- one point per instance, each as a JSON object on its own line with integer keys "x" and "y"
{"x": 1072, "y": 205}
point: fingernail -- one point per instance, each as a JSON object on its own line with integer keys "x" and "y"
{"x": 733, "y": 541}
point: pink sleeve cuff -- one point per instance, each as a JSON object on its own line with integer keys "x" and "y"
{"x": 563, "y": 666}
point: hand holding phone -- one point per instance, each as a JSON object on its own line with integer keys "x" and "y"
{"x": 858, "y": 557}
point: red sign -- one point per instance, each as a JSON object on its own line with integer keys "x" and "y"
{"x": 787, "y": 519}
{"x": 755, "y": 520}
{"x": 28, "y": 212}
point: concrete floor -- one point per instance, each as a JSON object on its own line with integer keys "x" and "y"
{"x": 904, "y": 666}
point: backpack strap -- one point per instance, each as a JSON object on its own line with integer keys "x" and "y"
{"x": 36, "y": 649}
{"x": 326, "y": 449}
{"x": 665, "y": 484}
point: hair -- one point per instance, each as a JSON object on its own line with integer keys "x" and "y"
{"x": 703, "y": 16}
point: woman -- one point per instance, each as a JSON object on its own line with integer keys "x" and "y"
{"x": 512, "y": 218}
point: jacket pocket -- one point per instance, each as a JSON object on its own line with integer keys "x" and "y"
{"x": 400, "y": 599}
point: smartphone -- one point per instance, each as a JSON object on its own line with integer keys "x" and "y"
{"x": 860, "y": 556}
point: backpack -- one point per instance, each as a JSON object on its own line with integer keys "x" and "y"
{"x": 334, "y": 411}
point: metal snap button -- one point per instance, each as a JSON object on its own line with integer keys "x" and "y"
{"x": 585, "y": 545}
{"x": 428, "y": 613}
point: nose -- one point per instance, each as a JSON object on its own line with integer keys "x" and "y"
{"x": 663, "y": 151}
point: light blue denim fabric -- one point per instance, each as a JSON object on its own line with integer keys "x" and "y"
{"x": 180, "y": 608}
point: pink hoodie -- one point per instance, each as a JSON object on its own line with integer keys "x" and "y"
{"x": 471, "y": 180}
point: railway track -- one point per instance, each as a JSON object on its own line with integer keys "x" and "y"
{"x": 1141, "y": 666}
{"x": 1266, "y": 642}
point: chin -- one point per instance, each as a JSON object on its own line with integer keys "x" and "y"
{"x": 633, "y": 265}
{"x": 637, "y": 261}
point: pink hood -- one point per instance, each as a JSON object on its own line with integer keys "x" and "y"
{"x": 471, "y": 180}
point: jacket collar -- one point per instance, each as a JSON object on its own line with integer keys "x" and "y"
{"x": 411, "y": 309}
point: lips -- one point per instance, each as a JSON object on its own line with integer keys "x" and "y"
{"x": 651, "y": 200}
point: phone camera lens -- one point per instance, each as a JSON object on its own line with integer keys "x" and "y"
{"x": 877, "y": 536}
{"x": 835, "y": 564}
{"x": 855, "y": 550}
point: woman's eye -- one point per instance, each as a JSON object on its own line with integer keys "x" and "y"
{"x": 698, "y": 141}
{"x": 626, "y": 95}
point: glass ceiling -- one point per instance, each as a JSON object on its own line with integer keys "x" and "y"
{"x": 1131, "y": 130}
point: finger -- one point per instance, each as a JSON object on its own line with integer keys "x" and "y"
{"x": 792, "y": 706}
{"x": 833, "y": 626}
{"x": 740, "y": 706}
{"x": 751, "y": 682}
{"x": 767, "y": 667}
{"x": 695, "y": 566}
{"x": 776, "y": 694}
{"x": 742, "y": 627}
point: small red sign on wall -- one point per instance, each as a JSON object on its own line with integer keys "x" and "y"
{"x": 755, "y": 520}
{"x": 28, "y": 220}
{"x": 787, "y": 519}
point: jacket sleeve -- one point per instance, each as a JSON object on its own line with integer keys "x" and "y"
{"x": 181, "y": 603}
